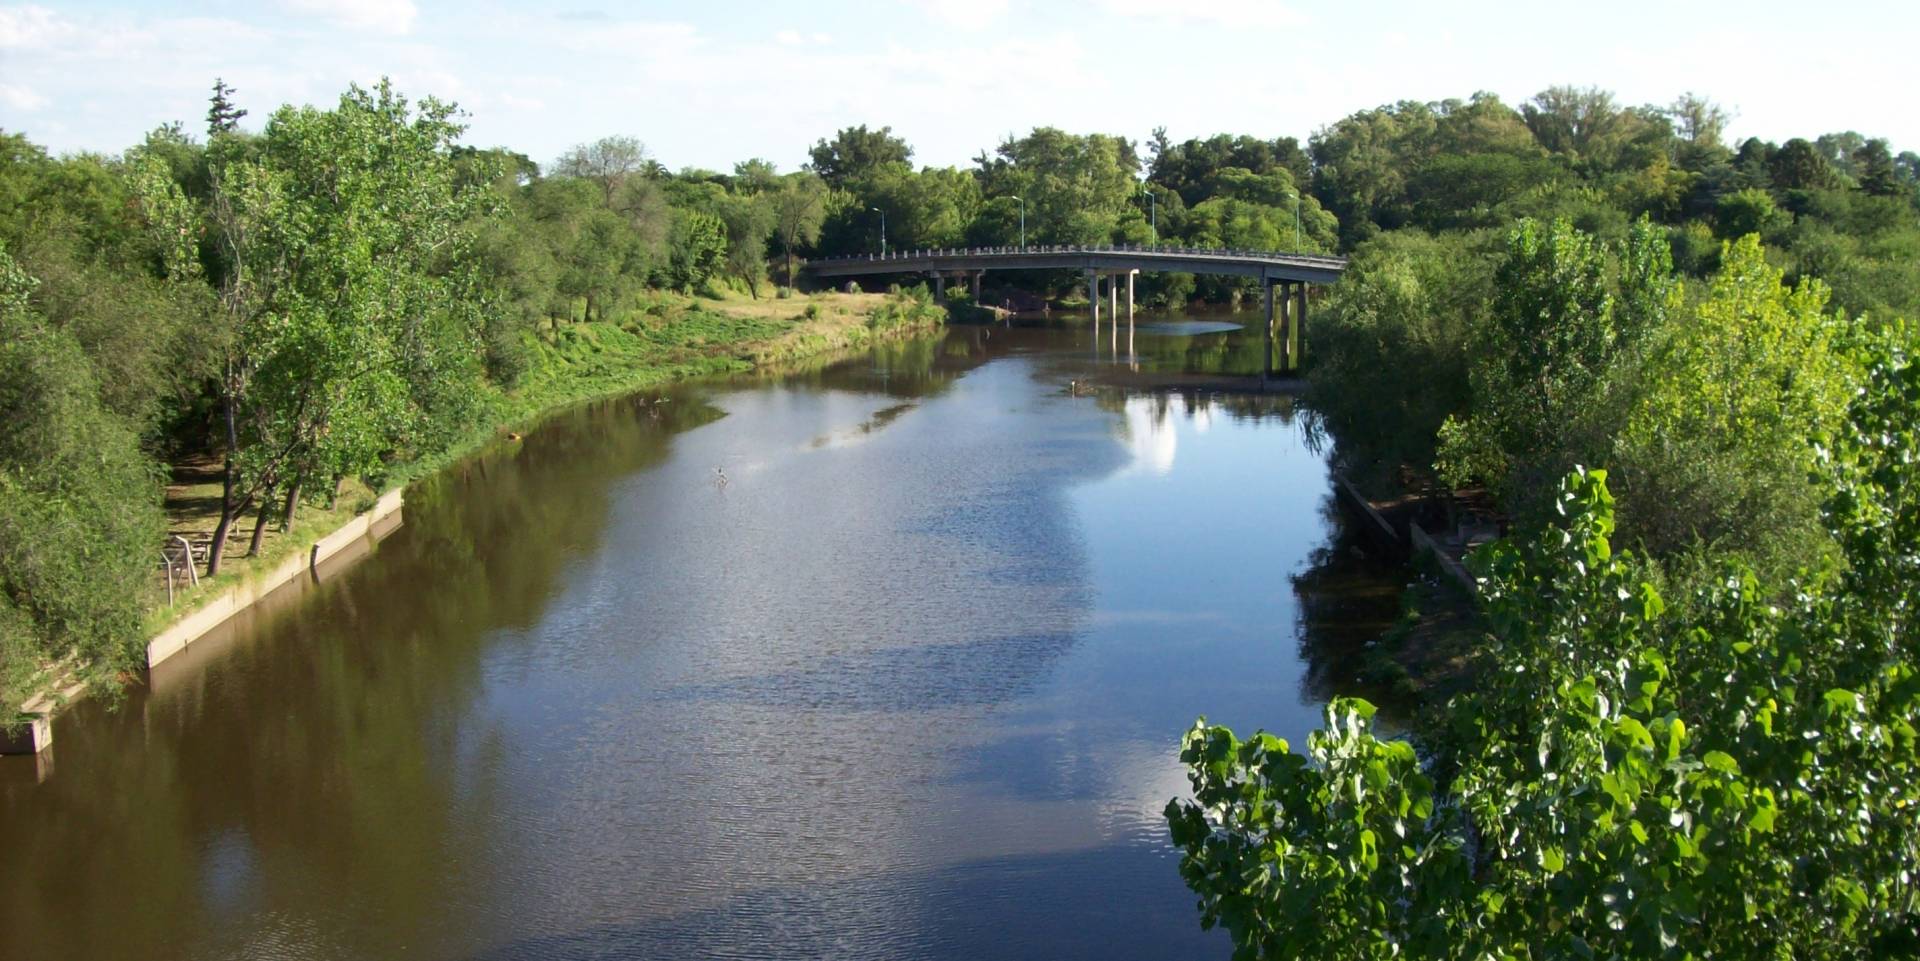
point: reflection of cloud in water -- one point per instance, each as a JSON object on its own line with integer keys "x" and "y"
{"x": 1147, "y": 436}
{"x": 865, "y": 429}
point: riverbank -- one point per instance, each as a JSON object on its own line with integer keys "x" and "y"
{"x": 567, "y": 363}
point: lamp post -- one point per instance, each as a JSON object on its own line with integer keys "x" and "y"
{"x": 1153, "y": 212}
{"x": 1296, "y": 221}
{"x": 883, "y": 229}
{"x": 1023, "y": 221}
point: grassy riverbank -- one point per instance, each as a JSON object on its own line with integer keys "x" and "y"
{"x": 670, "y": 338}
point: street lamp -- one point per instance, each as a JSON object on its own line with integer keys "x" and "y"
{"x": 1153, "y": 212}
{"x": 1023, "y": 222}
{"x": 883, "y": 229}
{"x": 1296, "y": 221}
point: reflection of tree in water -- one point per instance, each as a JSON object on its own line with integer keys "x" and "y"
{"x": 324, "y": 753}
{"x": 1348, "y": 598}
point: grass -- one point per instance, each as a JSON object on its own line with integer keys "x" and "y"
{"x": 666, "y": 338}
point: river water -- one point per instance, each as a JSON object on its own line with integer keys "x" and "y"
{"x": 909, "y": 684}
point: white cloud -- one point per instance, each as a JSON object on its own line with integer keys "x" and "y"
{"x": 20, "y": 98}
{"x": 968, "y": 14}
{"x": 1240, "y": 14}
{"x": 31, "y": 28}
{"x": 379, "y": 16}
{"x": 789, "y": 38}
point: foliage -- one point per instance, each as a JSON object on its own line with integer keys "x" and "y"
{"x": 1411, "y": 302}
{"x": 79, "y": 507}
{"x": 1719, "y": 442}
{"x": 1627, "y": 785}
{"x": 1564, "y": 309}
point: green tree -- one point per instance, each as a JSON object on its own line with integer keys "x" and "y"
{"x": 79, "y": 507}
{"x": 1721, "y": 441}
{"x": 347, "y": 239}
{"x": 1738, "y": 783}
{"x": 1543, "y": 357}
{"x": 856, "y": 153}
{"x": 799, "y": 209}
{"x": 222, "y": 115}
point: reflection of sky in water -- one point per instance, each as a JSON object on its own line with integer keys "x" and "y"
{"x": 912, "y": 684}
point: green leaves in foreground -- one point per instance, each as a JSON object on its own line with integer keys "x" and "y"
{"x": 1740, "y": 785}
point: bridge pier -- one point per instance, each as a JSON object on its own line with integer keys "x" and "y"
{"x": 1300, "y": 328}
{"x": 1266, "y": 341}
{"x": 975, "y": 276}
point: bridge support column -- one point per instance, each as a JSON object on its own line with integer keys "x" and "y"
{"x": 1286, "y": 326}
{"x": 1300, "y": 328}
{"x": 1130, "y": 275}
{"x": 976, "y": 285}
{"x": 1266, "y": 354}
{"x": 939, "y": 287}
{"x": 1093, "y": 296}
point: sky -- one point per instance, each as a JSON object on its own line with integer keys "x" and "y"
{"x": 706, "y": 84}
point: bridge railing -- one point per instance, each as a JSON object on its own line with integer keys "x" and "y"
{"x": 1043, "y": 249}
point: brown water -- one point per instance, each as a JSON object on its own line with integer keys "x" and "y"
{"x": 910, "y": 684}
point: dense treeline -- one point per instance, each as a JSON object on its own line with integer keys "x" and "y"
{"x": 1701, "y": 747}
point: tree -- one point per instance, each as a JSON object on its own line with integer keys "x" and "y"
{"x": 750, "y": 219}
{"x": 1735, "y": 782}
{"x": 1799, "y": 166}
{"x": 1877, "y": 175}
{"x": 609, "y": 162}
{"x": 1721, "y": 439}
{"x": 1078, "y": 188}
{"x": 222, "y": 116}
{"x": 1698, "y": 120}
{"x": 1544, "y": 353}
{"x": 79, "y": 507}
{"x": 799, "y": 208}
{"x": 346, "y": 239}
{"x": 856, "y": 153}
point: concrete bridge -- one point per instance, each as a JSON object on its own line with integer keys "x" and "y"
{"x": 1291, "y": 273}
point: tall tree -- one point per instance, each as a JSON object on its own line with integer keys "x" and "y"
{"x": 799, "y": 209}
{"x": 855, "y": 153}
{"x": 609, "y": 162}
{"x": 222, "y": 115}
{"x": 346, "y": 238}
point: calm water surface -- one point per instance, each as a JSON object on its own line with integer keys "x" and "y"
{"x": 910, "y": 684}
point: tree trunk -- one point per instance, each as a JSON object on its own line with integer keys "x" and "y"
{"x": 227, "y": 508}
{"x": 789, "y": 270}
{"x": 293, "y": 502}
{"x": 260, "y": 525}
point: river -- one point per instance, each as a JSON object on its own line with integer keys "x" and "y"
{"x": 909, "y": 683}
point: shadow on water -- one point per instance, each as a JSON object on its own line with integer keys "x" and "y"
{"x": 914, "y": 691}
{"x": 969, "y": 911}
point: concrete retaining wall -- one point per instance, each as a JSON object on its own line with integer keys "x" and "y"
{"x": 358, "y": 533}
{"x": 188, "y": 629}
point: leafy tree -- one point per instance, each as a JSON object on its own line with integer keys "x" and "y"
{"x": 856, "y": 153}
{"x": 79, "y": 506}
{"x": 1877, "y": 175}
{"x": 1078, "y": 188}
{"x": 1799, "y": 166}
{"x": 347, "y": 242}
{"x": 750, "y": 220}
{"x": 799, "y": 209}
{"x": 222, "y": 115}
{"x": 1737, "y": 783}
{"x": 609, "y": 162}
{"x": 1543, "y": 357}
{"x": 1410, "y": 301}
{"x": 1749, "y": 211}
{"x": 1720, "y": 443}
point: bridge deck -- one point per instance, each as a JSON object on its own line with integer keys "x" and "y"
{"x": 1271, "y": 265}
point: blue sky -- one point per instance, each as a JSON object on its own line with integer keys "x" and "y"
{"x": 706, "y": 84}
